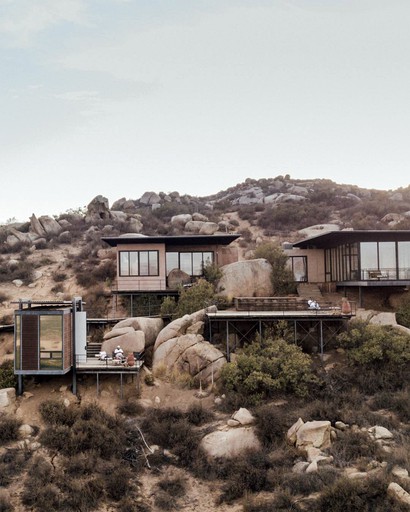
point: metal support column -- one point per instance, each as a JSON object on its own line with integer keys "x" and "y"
{"x": 98, "y": 384}
{"x": 321, "y": 338}
{"x": 296, "y": 331}
{"x": 121, "y": 392}
{"x": 228, "y": 356}
{"x": 20, "y": 385}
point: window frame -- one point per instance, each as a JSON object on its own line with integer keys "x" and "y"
{"x": 152, "y": 264}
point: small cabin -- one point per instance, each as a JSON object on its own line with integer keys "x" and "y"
{"x": 48, "y": 336}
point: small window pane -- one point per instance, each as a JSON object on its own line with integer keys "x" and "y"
{"x": 197, "y": 269}
{"x": 133, "y": 255}
{"x": 172, "y": 261}
{"x": 51, "y": 342}
{"x": 153, "y": 263}
{"x": 124, "y": 264}
{"x": 185, "y": 259}
{"x": 143, "y": 263}
{"x": 17, "y": 334}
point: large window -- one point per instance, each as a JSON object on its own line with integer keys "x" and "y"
{"x": 192, "y": 263}
{"x": 404, "y": 260}
{"x": 139, "y": 263}
{"x": 51, "y": 342}
{"x": 298, "y": 266}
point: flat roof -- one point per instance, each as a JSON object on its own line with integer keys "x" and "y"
{"x": 137, "y": 239}
{"x": 334, "y": 238}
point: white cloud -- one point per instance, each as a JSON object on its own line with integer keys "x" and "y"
{"x": 22, "y": 20}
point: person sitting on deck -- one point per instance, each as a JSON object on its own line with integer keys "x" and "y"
{"x": 313, "y": 304}
{"x": 119, "y": 353}
{"x": 102, "y": 355}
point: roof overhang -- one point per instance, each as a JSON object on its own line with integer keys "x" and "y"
{"x": 181, "y": 240}
{"x": 335, "y": 238}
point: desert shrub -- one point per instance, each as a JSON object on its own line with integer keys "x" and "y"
{"x": 282, "y": 502}
{"x": 308, "y": 483}
{"x": 12, "y": 463}
{"x": 7, "y": 377}
{"x": 149, "y": 379}
{"x": 4, "y": 296}
{"x": 351, "y": 446}
{"x": 97, "y": 301}
{"x": 5, "y": 504}
{"x": 128, "y": 408}
{"x": 23, "y": 270}
{"x": 398, "y": 402}
{"x": 169, "y": 490}
{"x": 367, "y": 495}
{"x": 170, "y": 429}
{"x": 40, "y": 492}
{"x": 246, "y": 474}
{"x": 117, "y": 482}
{"x": 292, "y": 216}
{"x": 403, "y": 312}
{"x": 79, "y": 494}
{"x": 54, "y": 412}
{"x": 378, "y": 357}
{"x": 271, "y": 425}
{"x": 281, "y": 278}
{"x": 58, "y": 288}
{"x": 9, "y": 429}
{"x": 80, "y": 464}
{"x": 197, "y": 415}
{"x": 199, "y": 296}
{"x": 58, "y": 438}
{"x": 212, "y": 273}
{"x": 266, "y": 367}
{"x": 59, "y": 277}
{"x": 168, "y": 307}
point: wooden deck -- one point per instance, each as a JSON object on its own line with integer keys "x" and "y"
{"x": 95, "y": 365}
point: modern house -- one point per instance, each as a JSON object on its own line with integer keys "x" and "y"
{"x": 144, "y": 263}
{"x": 355, "y": 260}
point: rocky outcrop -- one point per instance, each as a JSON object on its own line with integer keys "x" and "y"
{"x": 177, "y": 278}
{"x": 150, "y": 198}
{"x": 150, "y": 327}
{"x": 251, "y": 278}
{"x": 98, "y": 209}
{"x": 181, "y": 220}
{"x": 130, "y": 342}
{"x": 177, "y": 349}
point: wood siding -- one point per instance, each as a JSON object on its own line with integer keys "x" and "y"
{"x": 29, "y": 342}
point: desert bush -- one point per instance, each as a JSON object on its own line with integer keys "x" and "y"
{"x": 281, "y": 278}
{"x": 308, "y": 483}
{"x": 403, "y": 312}
{"x": 367, "y": 495}
{"x": 282, "y": 502}
{"x": 54, "y": 412}
{"x": 398, "y": 402}
{"x": 9, "y": 429}
{"x": 198, "y": 415}
{"x": 97, "y": 301}
{"x": 7, "y": 377}
{"x": 169, "y": 490}
{"x": 246, "y": 474}
{"x": 5, "y": 503}
{"x": 117, "y": 482}
{"x": 288, "y": 217}
{"x": 59, "y": 277}
{"x": 170, "y": 429}
{"x": 199, "y": 296}
{"x": 271, "y": 425}
{"x": 350, "y": 446}
{"x": 4, "y": 296}
{"x": 212, "y": 273}
{"x": 168, "y": 307}
{"x": 378, "y": 357}
{"x": 80, "y": 464}
{"x": 12, "y": 463}
{"x": 58, "y": 288}
{"x": 266, "y": 367}
{"x": 128, "y": 408}
{"x": 23, "y": 270}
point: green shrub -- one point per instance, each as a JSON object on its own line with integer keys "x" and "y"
{"x": 271, "y": 425}
{"x": 403, "y": 312}
{"x": 268, "y": 366}
{"x": 199, "y": 296}
{"x": 212, "y": 273}
{"x": 168, "y": 307}
{"x": 378, "y": 357}
{"x": 281, "y": 278}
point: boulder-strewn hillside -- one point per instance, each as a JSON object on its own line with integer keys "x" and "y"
{"x": 56, "y": 256}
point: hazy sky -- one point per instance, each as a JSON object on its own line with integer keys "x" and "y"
{"x": 117, "y": 97}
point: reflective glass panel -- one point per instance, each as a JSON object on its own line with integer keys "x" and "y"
{"x": 171, "y": 261}
{"x": 51, "y": 341}
{"x": 153, "y": 263}
{"x": 144, "y": 270}
{"x": 133, "y": 255}
{"x": 185, "y": 261}
{"x": 124, "y": 264}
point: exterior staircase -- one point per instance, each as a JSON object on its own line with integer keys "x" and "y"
{"x": 93, "y": 349}
{"x": 309, "y": 291}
